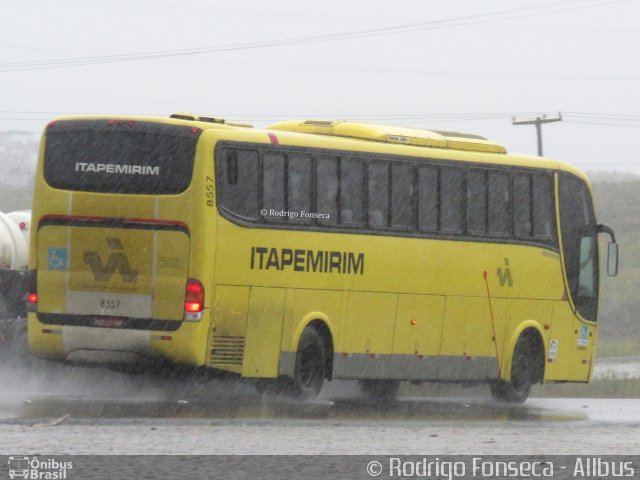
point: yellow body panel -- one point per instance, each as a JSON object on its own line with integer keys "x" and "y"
{"x": 368, "y": 328}
{"x": 418, "y": 326}
{"x": 264, "y": 332}
{"x": 467, "y": 327}
{"x": 187, "y": 346}
{"x": 109, "y": 271}
{"x": 409, "y": 299}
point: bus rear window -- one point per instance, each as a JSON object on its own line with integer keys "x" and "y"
{"x": 120, "y": 156}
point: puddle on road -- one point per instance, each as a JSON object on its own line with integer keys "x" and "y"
{"x": 97, "y": 393}
{"x": 253, "y": 408}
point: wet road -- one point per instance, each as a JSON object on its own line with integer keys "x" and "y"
{"x": 619, "y": 367}
{"x": 67, "y": 410}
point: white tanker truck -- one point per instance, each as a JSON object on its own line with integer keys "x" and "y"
{"x": 14, "y": 260}
{"x": 14, "y": 240}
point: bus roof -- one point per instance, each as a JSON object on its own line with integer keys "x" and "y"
{"x": 372, "y": 138}
{"x": 450, "y": 145}
{"x": 392, "y": 134}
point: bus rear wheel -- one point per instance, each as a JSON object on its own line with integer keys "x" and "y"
{"x": 311, "y": 365}
{"x": 382, "y": 391}
{"x": 524, "y": 372}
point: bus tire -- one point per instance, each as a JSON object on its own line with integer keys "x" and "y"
{"x": 526, "y": 365}
{"x": 382, "y": 391}
{"x": 311, "y": 365}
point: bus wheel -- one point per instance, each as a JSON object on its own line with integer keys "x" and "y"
{"x": 524, "y": 371}
{"x": 311, "y": 365}
{"x": 383, "y": 391}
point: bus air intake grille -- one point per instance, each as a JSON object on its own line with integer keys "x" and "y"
{"x": 227, "y": 350}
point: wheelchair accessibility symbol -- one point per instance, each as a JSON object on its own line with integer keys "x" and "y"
{"x": 57, "y": 259}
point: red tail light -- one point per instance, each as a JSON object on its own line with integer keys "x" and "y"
{"x": 194, "y": 296}
{"x": 32, "y": 291}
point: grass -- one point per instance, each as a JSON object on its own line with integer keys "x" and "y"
{"x": 609, "y": 387}
{"x": 618, "y": 348}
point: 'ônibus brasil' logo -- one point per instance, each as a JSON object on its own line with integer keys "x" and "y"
{"x": 116, "y": 261}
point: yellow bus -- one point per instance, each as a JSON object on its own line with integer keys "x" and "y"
{"x": 312, "y": 251}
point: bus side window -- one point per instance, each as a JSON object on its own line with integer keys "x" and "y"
{"x": 402, "y": 193}
{"x": 542, "y": 207}
{"x": 232, "y": 167}
{"x": 299, "y": 187}
{"x": 327, "y": 189}
{"x": 499, "y": 204}
{"x": 476, "y": 201}
{"x": 273, "y": 187}
{"x": 351, "y": 192}
{"x": 238, "y": 182}
{"x": 522, "y": 205}
{"x": 378, "y": 194}
{"x": 451, "y": 199}
{"x": 428, "y": 198}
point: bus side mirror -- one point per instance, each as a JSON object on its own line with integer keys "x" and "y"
{"x": 612, "y": 252}
{"x": 612, "y": 259}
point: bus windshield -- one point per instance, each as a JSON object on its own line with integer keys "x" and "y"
{"x": 119, "y": 156}
{"x": 579, "y": 240}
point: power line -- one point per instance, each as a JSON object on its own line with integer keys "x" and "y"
{"x": 507, "y": 14}
{"x": 600, "y": 124}
{"x": 9, "y": 132}
{"x": 582, "y": 118}
{"x": 280, "y": 115}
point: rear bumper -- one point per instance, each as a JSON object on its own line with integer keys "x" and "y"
{"x": 69, "y": 341}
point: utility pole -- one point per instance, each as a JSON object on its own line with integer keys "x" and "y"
{"x": 538, "y": 123}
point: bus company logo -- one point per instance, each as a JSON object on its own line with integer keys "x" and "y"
{"x": 301, "y": 260}
{"x": 117, "y": 169}
{"x": 118, "y": 260}
{"x": 38, "y": 469}
{"x": 504, "y": 275}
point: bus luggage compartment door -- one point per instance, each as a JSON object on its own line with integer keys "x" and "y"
{"x": 99, "y": 271}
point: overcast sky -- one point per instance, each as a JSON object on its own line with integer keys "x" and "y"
{"x": 465, "y": 65}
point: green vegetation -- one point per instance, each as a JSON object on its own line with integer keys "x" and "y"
{"x": 618, "y": 205}
{"x": 610, "y": 387}
{"x": 618, "y": 348}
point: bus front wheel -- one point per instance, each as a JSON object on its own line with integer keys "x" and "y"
{"x": 311, "y": 365}
{"x": 525, "y": 372}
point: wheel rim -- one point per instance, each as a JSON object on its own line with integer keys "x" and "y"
{"x": 521, "y": 377}
{"x": 310, "y": 368}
